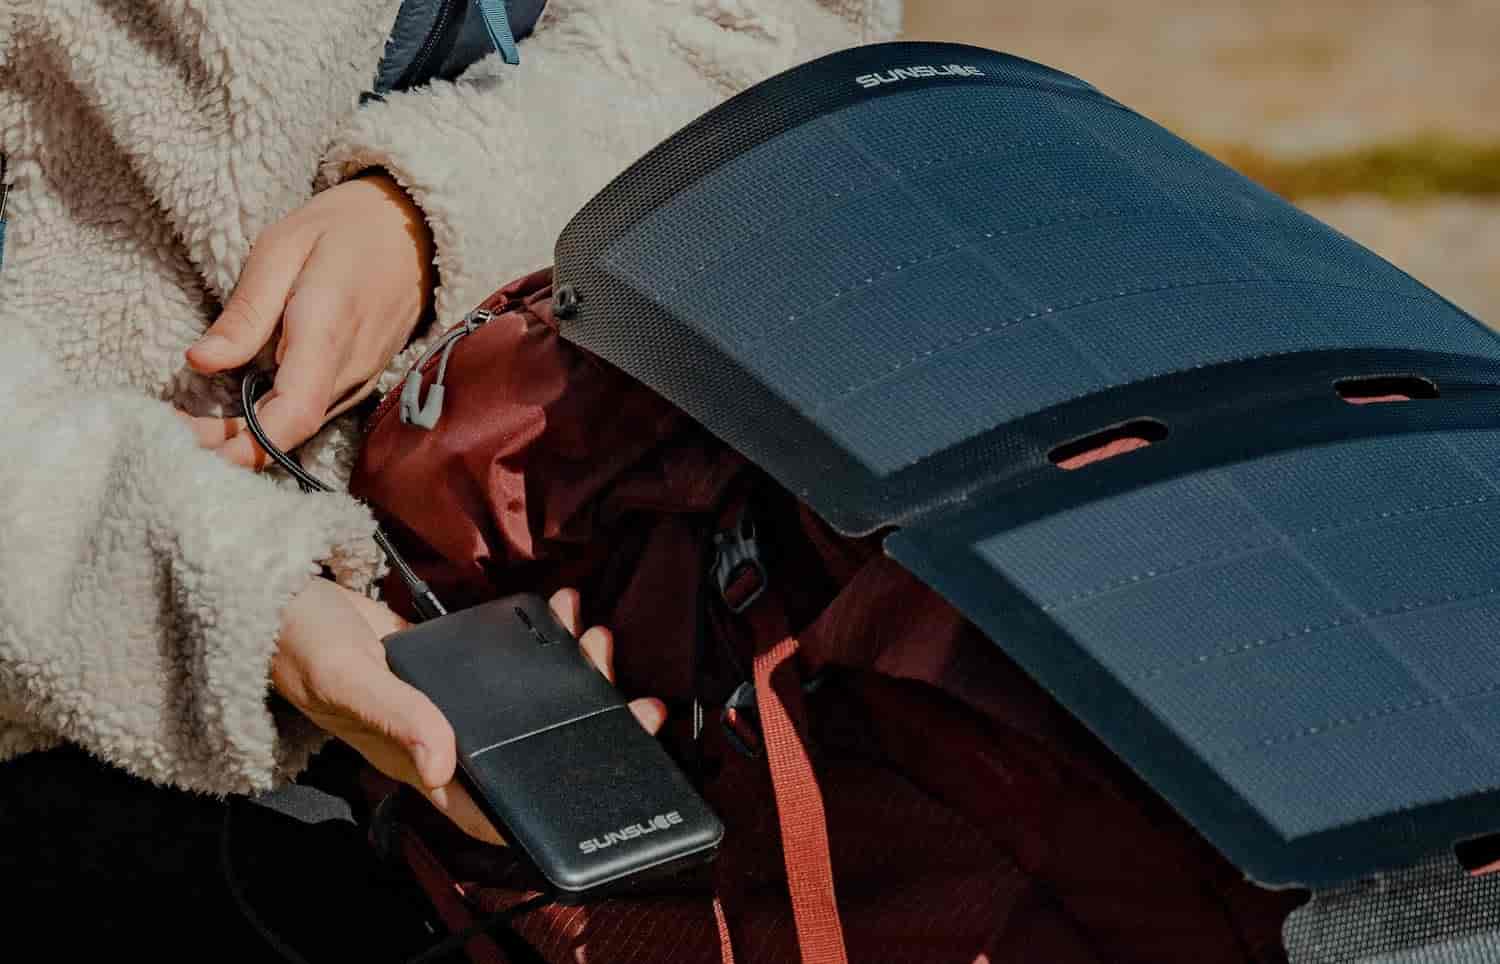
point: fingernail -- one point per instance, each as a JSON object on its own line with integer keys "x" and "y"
{"x": 650, "y": 713}
{"x": 422, "y": 757}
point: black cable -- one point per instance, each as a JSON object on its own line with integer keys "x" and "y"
{"x": 446, "y": 946}
{"x": 481, "y": 926}
{"x": 226, "y": 869}
{"x": 424, "y": 600}
{"x": 428, "y": 606}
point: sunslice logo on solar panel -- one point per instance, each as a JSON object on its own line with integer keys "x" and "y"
{"x": 898, "y": 74}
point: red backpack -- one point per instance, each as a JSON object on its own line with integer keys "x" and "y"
{"x": 893, "y": 787}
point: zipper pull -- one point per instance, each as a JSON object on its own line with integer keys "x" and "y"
{"x": 424, "y": 413}
{"x": 502, "y": 37}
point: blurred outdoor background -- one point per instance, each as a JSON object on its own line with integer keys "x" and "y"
{"x": 1381, "y": 117}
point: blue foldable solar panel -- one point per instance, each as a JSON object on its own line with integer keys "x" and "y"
{"x": 904, "y": 278}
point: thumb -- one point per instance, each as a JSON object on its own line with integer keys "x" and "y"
{"x": 253, "y": 310}
{"x": 412, "y": 727}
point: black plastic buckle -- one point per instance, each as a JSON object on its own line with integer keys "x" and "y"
{"x": 738, "y": 557}
{"x": 740, "y": 718}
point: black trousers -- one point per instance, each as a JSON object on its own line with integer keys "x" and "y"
{"x": 93, "y": 861}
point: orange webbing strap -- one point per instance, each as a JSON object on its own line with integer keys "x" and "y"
{"x": 746, "y": 589}
{"x": 726, "y": 944}
{"x": 799, "y": 802}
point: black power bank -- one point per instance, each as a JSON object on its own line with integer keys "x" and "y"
{"x": 551, "y": 752}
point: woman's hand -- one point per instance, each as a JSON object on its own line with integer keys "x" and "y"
{"x": 330, "y": 664}
{"x": 347, "y": 276}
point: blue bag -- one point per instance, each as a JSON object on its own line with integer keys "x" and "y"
{"x": 439, "y": 39}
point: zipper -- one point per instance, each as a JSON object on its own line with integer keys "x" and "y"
{"x": 4, "y": 196}
{"x": 414, "y": 69}
{"x": 446, "y": 32}
{"x": 408, "y": 392}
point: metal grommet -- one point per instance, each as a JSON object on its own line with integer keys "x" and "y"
{"x": 565, "y": 302}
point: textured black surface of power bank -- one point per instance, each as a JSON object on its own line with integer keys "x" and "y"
{"x": 551, "y": 751}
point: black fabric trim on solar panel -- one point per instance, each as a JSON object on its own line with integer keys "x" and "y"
{"x": 902, "y": 276}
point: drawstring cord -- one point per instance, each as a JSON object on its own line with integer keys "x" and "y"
{"x": 424, "y": 413}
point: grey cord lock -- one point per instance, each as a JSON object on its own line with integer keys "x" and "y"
{"x": 424, "y": 413}
{"x": 415, "y": 411}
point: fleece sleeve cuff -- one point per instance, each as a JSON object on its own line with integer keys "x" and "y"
{"x": 141, "y": 589}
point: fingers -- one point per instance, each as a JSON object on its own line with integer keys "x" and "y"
{"x": 209, "y": 432}
{"x": 567, "y": 605}
{"x": 598, "y": 645}
{"x": 317, "y": 334}
{"x": 329, "y": 664}
{"x": 351, "y": 393}
{"x": 382, "y": 619}
{"x": 650, "y": 712}
{"x": 214, "y": 433}
{"x": 390, "y": 710}
{"x": 239, "y": 446}
{"x": 456, "y": 803}
{"x": 394, "y": 710}
{"x": 346, "y": 278}
{"x": 251, "y": 314}
{"x": 217, "y": 433}
{"x": 293, "y": 411}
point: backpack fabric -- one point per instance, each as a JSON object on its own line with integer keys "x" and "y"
{"x": 440, "y": 39}
{"x": 893, "y": 787}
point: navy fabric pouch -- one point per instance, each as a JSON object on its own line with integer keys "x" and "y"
{"x": 439, "y": 39}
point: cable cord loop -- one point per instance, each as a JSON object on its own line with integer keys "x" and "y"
{"x": 428, "y": 607}
{"x": 424, "y": 600}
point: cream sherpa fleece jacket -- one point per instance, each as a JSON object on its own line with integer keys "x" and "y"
{"x": 149, "y": 142}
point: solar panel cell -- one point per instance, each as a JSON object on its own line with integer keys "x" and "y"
{"x": 900, "y": 298}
